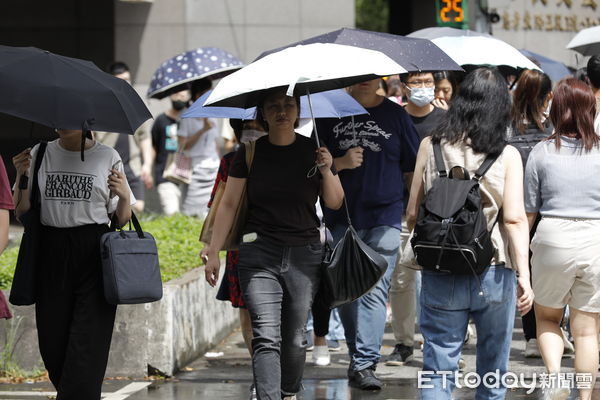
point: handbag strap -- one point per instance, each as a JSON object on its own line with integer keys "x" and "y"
{"x": 439, "y": 159}
{"x": 136, "y": 224}
{"x": 35, "y": 193}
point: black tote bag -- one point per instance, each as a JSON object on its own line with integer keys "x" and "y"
{"x": 22, "y": 291}
{"x": 130, "y": 268}
{"x": 351, "y": 269}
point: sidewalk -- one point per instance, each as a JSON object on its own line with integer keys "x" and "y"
{"x": 228, "y": 376}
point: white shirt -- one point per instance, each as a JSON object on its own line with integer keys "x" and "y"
{"x": 204, "y": 152}
{"x": 75, "y": 193}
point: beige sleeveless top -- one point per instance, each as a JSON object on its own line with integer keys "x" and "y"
{"x": 491, "y": 187}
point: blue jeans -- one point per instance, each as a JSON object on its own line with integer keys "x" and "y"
{"x": 447, "y": 301}
{"x": 279, "y": 284}
{"x": 364, "y": 319}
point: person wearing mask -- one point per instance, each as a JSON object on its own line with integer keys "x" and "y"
{"x": 530, "y": 125}
{"x": 198, "y": 138}
{"x": 448, "y": 300}
{"x": 77, "y": 201}
{"x": 446, "y": 85}
{"x": 165, "y": 142}
{"x": 370, "y": 151}
{"x": 420, "y": 91}
{"x": 230, "y": 290}
{"x": 135, "y": 150}
{"x": 280, "y": 256}
{"x": 561, "y": 185}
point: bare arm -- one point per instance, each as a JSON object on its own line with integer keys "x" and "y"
{"x": 516, "y": 225}
{"x": 4, "y": 223}
{"x": 148, "y": 160}
{"x": 331, "y": 187}
{"x": 22, "y": 163}
{"x": 352, "y": 159}
{"x": 417, "y": 187}
{"x": 117, "y": 182}
{"x": 223, "y": 222}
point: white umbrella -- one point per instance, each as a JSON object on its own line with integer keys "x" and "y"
{"x": 482, "y": 50}
{"x": 586, "y": 42}
{"x": 310, "y": 68}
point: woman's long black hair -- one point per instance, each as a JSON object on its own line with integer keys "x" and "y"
{"x": 480, "y": 111}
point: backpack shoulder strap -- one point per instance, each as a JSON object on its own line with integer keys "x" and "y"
{"x": 485, "y": 166}
{"x": 439, "y": 159}
{"x": 250, "y": 150}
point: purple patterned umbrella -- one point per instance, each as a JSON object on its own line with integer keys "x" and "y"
{"x": 205, "y": 62}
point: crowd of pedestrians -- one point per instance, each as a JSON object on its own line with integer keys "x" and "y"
{"x": 537, "y": 139}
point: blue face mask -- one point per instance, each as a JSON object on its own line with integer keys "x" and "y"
{"x": 421, "y": 96}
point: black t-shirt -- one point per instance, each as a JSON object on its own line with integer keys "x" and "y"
{"x": 281, "y": 199}
{"x": 426, "y": 124}
{"x": 164, "y": 140}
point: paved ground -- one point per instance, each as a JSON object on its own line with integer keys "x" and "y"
{"x": 228, "y": 377}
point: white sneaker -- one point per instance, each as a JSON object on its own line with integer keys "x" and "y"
{"x": 531, "y": 349}
{"x": 320, "y": 356}
{"x": 290, "y": 397}
{"x": 557, "y": 393}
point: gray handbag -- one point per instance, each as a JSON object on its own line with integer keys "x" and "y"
{"x": 130, "y": 268}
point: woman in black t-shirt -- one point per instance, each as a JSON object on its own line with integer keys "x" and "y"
{"x": 280, "y": 254}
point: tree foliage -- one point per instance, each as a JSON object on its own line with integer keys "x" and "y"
{"x": 372, "y": 15}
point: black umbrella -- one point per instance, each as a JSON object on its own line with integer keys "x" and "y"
{"x": 413, "y": 54}
{"x": 66, "y": 93}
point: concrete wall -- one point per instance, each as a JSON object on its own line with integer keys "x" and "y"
{"x": 165, "y": 335}
{"x": 146, "y": 34}
{"x": 545, "y": 27}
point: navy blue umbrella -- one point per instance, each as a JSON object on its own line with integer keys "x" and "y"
{"x": 205, "y": 62}
{"x": 554, "y": 69}
{"x": 413, "y": 54}
{"x": 331, "y": 104}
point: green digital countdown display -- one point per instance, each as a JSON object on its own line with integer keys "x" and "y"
{"x": 453, "y": 13}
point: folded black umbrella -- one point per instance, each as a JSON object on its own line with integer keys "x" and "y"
{"x": 66, "y": 93}
{"x": 413, "y": 54}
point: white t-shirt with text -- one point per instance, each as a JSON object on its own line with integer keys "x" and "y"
{"x": 74, "y": 192}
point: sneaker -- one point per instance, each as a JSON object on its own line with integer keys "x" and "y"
{"x": 334, "y": 345}
{"x": 365, "y": 379}
{"x": 531, "y": 349}
{"x": 401, "y": 355}
{"x": 556, "y": 393}
{"x": 569, "y": 349}
{"x": 253, "y": 395}
{"x": 309, "y": 341}
{"x": 461, "y": 364}
{"x": 290, "y": 397}
{"x": 320, "y": 356}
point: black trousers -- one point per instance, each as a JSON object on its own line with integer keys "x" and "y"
{"x": 74, "y": 321}
{"x": 528, "y": 320}
{"x": 320, "y": 311}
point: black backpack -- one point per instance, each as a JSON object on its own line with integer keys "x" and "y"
{"x": 526, "y": 143}
{"x": 451, "y": 231}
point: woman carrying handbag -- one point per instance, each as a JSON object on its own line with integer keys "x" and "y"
{"x": 77, "y": 198}
{"x": 280, "y": 254}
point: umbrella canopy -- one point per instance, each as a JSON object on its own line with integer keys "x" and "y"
{"x": 555, "y": 69}
{"x": 481, "y": 50}
{"x": 331, "y": 104}
{"x": 316, "y": 67}
{"x": 586, "y": 42}
{"x": 67, "y": 93}
{"x": 413, "y": 54}
{"x": 204, "y": 62}
{"x": 436, "y": 32}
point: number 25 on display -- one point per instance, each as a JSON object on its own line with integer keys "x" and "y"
{"x": 449, "y": 6}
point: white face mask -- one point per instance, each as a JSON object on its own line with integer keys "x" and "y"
{"x": 250, "y": 135}
{"x": 421, "y": 96}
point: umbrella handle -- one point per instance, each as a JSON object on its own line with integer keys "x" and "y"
{"x": 312, "y": 116}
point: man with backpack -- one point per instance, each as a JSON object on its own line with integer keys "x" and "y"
{"x": 375, "y": 155}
